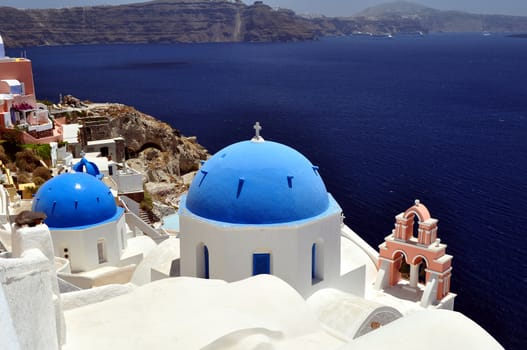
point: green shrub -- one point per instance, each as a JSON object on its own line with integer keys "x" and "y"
{"x": 43, "y": 150}
{"x": 147, "y": 204}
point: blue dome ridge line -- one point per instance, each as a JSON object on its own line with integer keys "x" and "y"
{"x": 241, "y": 181}
{"x": 203, "y": 177}
{"x": 290, "y": 181}
{"x": 257, "y": 183}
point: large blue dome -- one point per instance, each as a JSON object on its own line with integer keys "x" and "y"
{"x": 75, "y": 200}
{"x": 257, "y": 183}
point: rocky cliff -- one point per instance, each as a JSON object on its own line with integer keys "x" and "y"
{"x": 403, "y": 16}
{"x": 167, "y": 21}
{"x": 142, "y": 131}
{"x": 183, "y": 21}
{"x": 154, "y": 148}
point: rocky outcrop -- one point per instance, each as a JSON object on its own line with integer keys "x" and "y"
{"x": 162, "y": 179}
{"x": 157, "y": 166}
{"x": 71, "y": 101}
{"x": 142, "y": 132}
{"x": 155, "y": 149}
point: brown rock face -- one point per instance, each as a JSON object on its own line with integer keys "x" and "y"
{"x": 168, "y": 21}
{"x": 155, "y": 149}
{"x": 157, "y": 166}
{"x": 182, "y": 21}
{"x": 162, "y": 178}
{"x": 177, "y": 154}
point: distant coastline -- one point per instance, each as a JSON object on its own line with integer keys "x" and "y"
{"x": 518, "y": 36}
{"x": 228, "y": 21}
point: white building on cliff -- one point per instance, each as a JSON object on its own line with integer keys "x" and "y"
{"x": 277, "y": 269}
{"x": 260, "y": 207}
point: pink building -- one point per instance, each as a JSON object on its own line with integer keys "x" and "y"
{"x": 18, "y": 104}
{"x": 414, "y": 258}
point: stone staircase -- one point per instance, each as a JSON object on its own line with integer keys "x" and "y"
{"x": 144, "y": 216}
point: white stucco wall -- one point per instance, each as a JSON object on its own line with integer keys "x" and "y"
{"x": 85, "y": 297}
{"x": 27, "y": 285}
{"x": 82, "y": 244}
{"x": 350, "y": 315}
{"x": 159, "y": 259}
{"x": 231, "y": 249}
{"x": 26, "y": 239}
{"x": 189, "y": 313}
{"x": 7, "y": 328}
{"x": 427, "y": 329}
{"x": 96, "y": 146}
{"x": 4, "y": 206}
{"x": 129, "y": 181}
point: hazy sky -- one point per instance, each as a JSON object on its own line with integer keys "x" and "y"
{"x": 326, "y": 7}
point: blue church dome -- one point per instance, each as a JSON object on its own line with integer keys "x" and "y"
{"x": 74, "y": 200}
{"x": 257, "y": 183}
{"x": 85, "y": 166}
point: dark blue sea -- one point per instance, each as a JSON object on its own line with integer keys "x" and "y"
{"x": 441, "y": 118}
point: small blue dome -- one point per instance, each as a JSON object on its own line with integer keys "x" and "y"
{"x": 257, "y": 183}
{"x": 74, "y": 200}
{"x": 85, "y": 166}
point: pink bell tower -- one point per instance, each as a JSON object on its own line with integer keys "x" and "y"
{"x": 414, "y": 241}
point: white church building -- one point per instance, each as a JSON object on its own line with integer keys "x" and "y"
{"x": 86, "y": 225}
{"x": 260, "y": 207}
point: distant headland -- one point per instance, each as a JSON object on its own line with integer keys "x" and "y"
{"x": 192, "y": 21}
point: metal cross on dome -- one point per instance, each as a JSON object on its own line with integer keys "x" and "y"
{"x": 257, "y": 138}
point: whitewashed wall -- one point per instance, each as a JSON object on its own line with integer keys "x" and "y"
{"x": 82, "y": 244}
{"x": 231, "y": 249}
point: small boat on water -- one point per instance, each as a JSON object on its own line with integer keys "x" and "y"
{"x": 382, "y": 35}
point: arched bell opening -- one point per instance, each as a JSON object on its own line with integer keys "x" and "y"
{"x": 421, "y": 271}
{"x": 401, "y": 268}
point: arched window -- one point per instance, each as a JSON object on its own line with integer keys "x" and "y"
{"x": 101, "y": 251}
{"x": 421, "y": 270}
{"x": 401, "y": 265}
{"x": 317, "y": 262}
{"x": 206, "y": 261}
{"x": 202, "y": 261}
{"x": 415, "y": 226}
{"x": 123, "y": 239}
